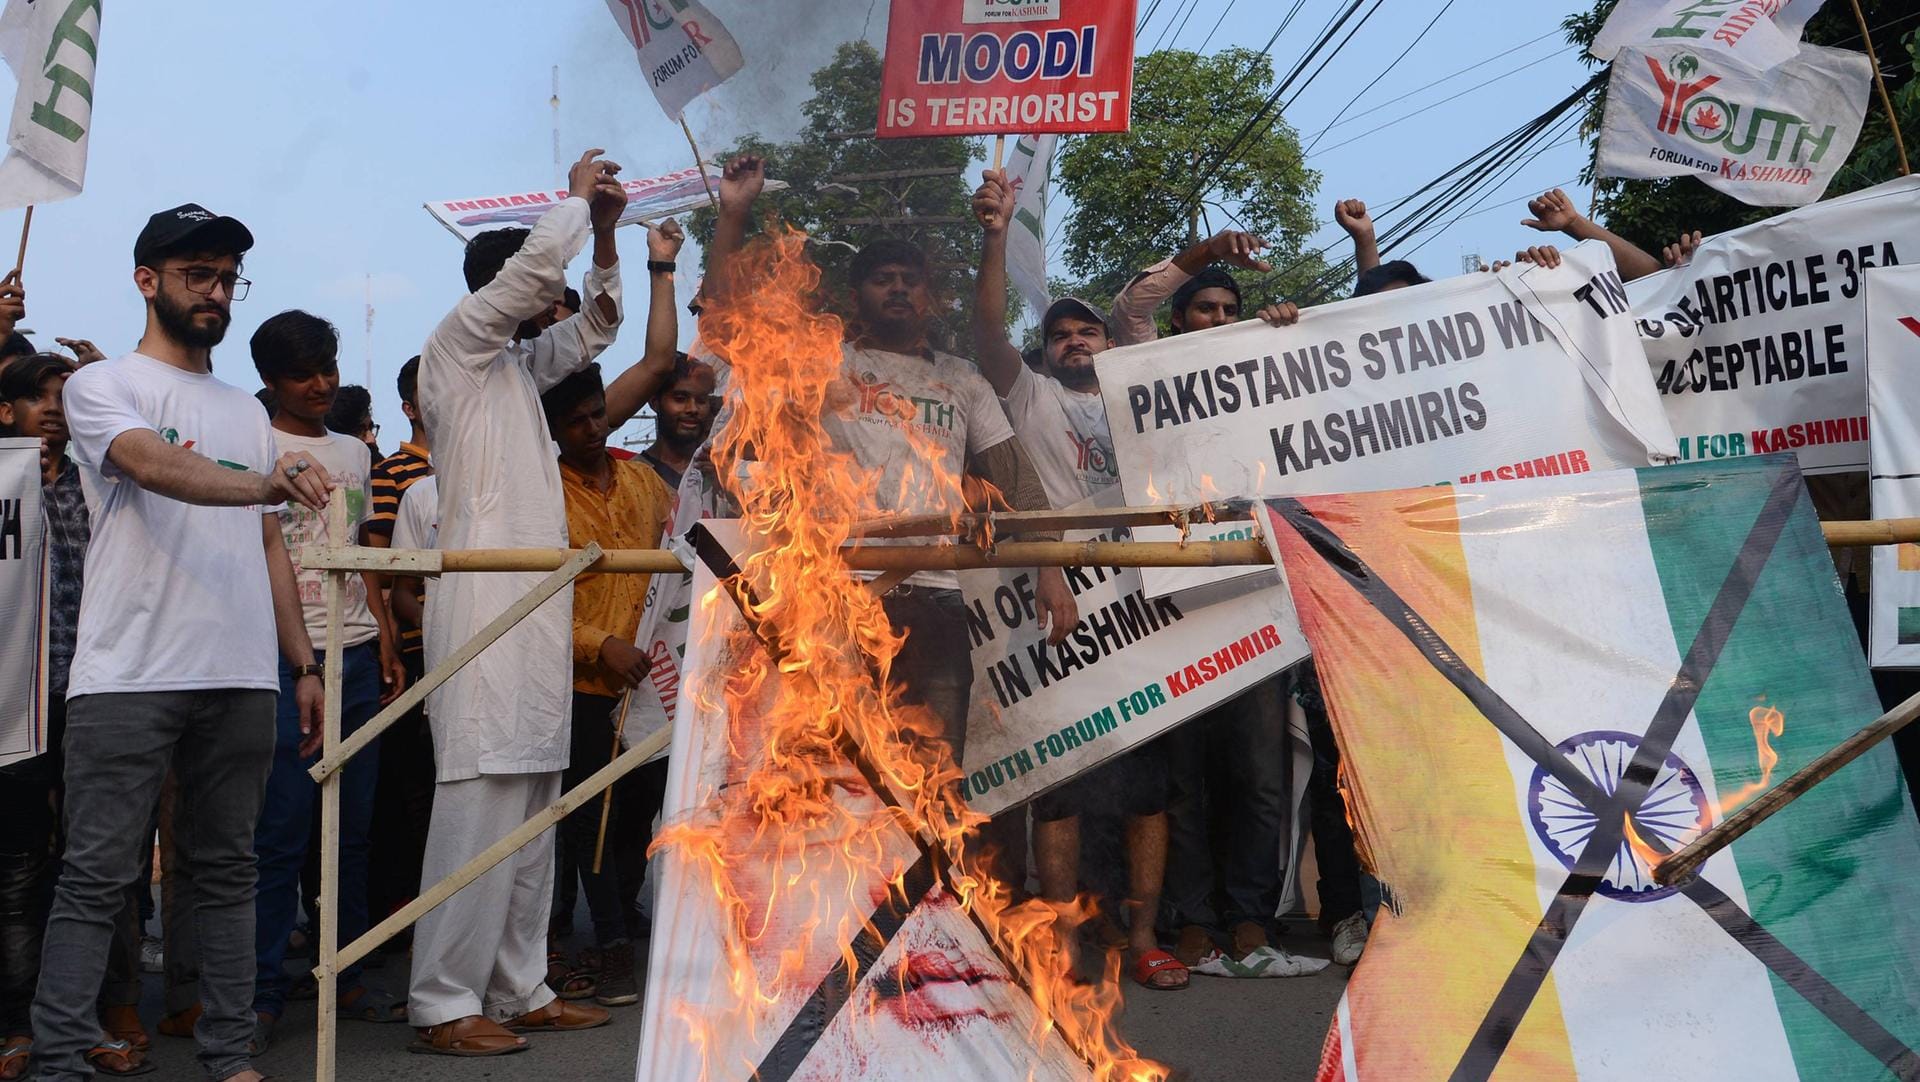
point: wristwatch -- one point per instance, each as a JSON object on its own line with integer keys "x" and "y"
{"x": 318, "y": 668}
{"x": 662, "y": 266}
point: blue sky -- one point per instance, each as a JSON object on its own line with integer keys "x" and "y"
{"x": 325, "y": 127}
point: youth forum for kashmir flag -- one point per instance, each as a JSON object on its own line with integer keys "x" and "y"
{"x": 1772, "y": 138}
{"x": 1585, "y": 654}
{"x": 1761, "y": 32}
{"x": 52, "y": 47}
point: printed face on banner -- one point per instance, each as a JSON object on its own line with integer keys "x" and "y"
{"x": 984, "y": 67}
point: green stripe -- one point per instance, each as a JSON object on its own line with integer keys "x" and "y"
{"x": 1832, "y": 875}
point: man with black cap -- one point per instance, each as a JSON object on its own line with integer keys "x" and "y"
{"x": 1202, "y": 293}
{"x": 190, "y": 587}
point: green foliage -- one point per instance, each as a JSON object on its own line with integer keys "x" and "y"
{"x": 1128, "y": 189}
{"x": 1652, "y": 213}
{"x": 837, "y": 214}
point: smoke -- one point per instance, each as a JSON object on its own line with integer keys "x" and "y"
{"x": 784, "y": 44}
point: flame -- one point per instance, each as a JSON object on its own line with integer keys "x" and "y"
{"x": 798, "y": 848}
{"x": 1768, "y": 722}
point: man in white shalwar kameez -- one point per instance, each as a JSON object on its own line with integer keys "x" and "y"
{"x": 500, "y": 726}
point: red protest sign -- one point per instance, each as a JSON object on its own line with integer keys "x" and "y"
{"x": 984, "y": 67}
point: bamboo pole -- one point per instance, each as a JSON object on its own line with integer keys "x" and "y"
{"x": 1879, "y": 80}
{"x": 1688, "y": 858}
{"x": 564, "y": 571}
{"x": 1009, "y": 523}
{"x": 606, "y": 801}
{"x": 26, "y": 227}
{"x": 1867, "y": 534}
{"x": 700, "y": 163}
{"x": 325, "y": 1050}
{"x": 541, "y": 822}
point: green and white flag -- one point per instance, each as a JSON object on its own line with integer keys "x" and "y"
{"x": 52, "y": 46}
{"x": 1029, "y": 168}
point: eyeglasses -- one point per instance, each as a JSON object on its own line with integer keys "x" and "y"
{"x": 201, "y": 279}
{"x": 374, "y": 430}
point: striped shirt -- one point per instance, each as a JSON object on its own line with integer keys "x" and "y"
{"x": 391, "y": 478}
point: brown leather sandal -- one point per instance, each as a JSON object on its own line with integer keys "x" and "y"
{"x": 120, "y": 1059}
{"x": 180, "y": 1023}
{"x": 473, "y": 1036}
{"x": 560, "y": 1016}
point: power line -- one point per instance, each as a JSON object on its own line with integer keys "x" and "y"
{"x": 1208, "y": 40}
{"x": 1434, "y": 105}
{"x": 1475, "y": 66}
{"x": 1381, "y": 74}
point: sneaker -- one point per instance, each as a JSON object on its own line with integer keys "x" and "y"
{"x": 1349, "y": 939}
{"x": 616, "y": 987}
{"x": 153, "y": 956}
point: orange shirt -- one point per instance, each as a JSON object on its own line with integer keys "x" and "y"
{"x": 632, "y": 514}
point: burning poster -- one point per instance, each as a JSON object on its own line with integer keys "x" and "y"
{"x": 817, "y": 883}
{"x": 648, "y": 200}
{"x": 1893, "y": 327}
{"x": 861, "y": 966}
{"x": 1602, "y": 666}
{"x": 24, "y": 582}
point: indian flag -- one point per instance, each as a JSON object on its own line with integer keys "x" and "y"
{"x": 1540, "y": 686}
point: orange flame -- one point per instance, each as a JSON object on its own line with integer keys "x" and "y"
{"x": 1768, "y": 722}
{"x": 1647, "y": 854}
{"x": 800, "y": 845}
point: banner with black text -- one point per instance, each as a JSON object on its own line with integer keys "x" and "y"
{"x": 23, "y": 582}
{"x": 1759, "y": 344}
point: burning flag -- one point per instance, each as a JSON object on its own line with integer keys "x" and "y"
{"x": 1600, "y": 666}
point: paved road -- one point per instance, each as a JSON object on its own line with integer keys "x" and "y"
{"x": 1216, "y": 1031}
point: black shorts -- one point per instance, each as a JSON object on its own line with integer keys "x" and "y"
{"x": 1134, "y": 782}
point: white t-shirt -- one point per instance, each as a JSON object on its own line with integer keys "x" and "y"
{"x": 902, "y": 408}
{"x": 417, "y": 524}
{"x": 1065, "y": 433}
{"x": 348, "y": 462}
{"x": 178, "y": 597}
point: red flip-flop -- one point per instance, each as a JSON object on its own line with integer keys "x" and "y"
{"x": 1157, "y": 961}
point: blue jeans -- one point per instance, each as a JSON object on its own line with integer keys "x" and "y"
{"x": 286, "y": 820}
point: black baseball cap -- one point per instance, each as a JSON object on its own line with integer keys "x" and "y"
{"x": 189, "y": 227}
{"x": 1073, "y": 308}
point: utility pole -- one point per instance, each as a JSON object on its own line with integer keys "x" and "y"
{"x": 554, "y": 102}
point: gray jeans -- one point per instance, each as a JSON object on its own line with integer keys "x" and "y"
{"x": 118, "y": 749}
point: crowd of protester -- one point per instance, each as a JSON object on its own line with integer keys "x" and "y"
{"x": 185, "y": 639}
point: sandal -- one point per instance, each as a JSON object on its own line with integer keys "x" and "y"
{"x": 1194, "y": 945}
{"x": 1156, "y": 963}
{"x": 366, "y": 1003}
{"x": 263, "y": 1024}
{"x": 180, "y": 1023}
{"x": 569, "y": 981}
{"x": 120, "y": 1059}
{"x": 14, "y": 1055}
{"x": 560, "y": 1017}
{"x": 123, "y": 1024}
{"x": 472, "y": 1036}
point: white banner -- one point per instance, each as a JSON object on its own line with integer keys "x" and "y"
{"x": 1761, "y": 32}
{"x": 684, "y": 50}
{"x": 1483, "y": 377}
{"x": 1759, "y": 344}
{"x": 1029, "y": 168}
{"x": 24, "y": 583}
{"x": 927, "y": 999}
{"x": 648, "y": 200}
{"x": 1771, "y": 138}
{"x": 1893, "y": 333}
{"x": 52, "y": 47}
{"x": 1134, "y": 668}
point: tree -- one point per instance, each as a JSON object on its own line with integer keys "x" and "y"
{"x": 1143, "y": 195}
{"x": 835, "y": 197}
{"x": 1652, "y": 213}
